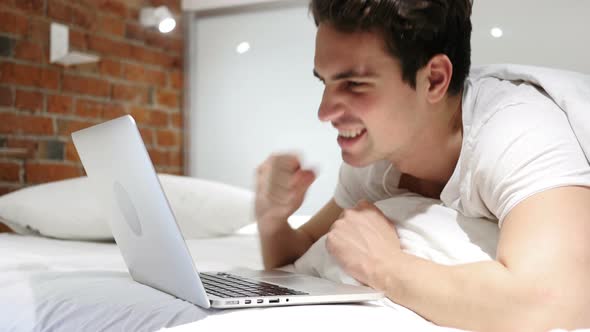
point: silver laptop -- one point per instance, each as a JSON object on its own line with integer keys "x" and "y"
{"x": 154, "y": 250}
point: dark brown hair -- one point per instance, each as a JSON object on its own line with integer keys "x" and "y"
{"x": 414, "y": 30}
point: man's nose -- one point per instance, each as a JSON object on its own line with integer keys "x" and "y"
{"x": 330, "y": 108}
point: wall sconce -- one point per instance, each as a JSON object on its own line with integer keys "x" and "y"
{"x": 157, "y": 16}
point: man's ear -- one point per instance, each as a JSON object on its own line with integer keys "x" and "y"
{"x": 435, "y": 78}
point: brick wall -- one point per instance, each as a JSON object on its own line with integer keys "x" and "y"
{"x": 139, "y": 73}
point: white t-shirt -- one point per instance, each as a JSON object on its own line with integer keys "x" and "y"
{"x": 516, "y": 142}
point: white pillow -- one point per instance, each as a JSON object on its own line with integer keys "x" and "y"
{"x": 426, "y": 229}
{"x": 68, "y": 209}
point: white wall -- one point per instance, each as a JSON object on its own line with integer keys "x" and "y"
{"x": 250, "y": 105}
{"x": 538, "y": 32}
{"x": 266, "y": 100}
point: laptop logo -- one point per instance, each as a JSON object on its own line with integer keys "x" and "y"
{"x": 127, "y": 208}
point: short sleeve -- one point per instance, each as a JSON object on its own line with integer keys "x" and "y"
{"x": 522, "y": 150}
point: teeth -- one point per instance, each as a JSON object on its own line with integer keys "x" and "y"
{"x": 350, "y": 133}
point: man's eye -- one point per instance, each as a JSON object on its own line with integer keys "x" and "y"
{"x": 353, "y": 84}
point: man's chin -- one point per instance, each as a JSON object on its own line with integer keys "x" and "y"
{"x": 355, "y": 161}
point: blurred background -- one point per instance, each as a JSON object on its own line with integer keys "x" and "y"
{"x": 231, "y": 83}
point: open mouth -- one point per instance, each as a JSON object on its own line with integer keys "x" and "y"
{"x": 347, "y": 138}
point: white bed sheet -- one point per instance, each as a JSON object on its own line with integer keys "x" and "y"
{"x": 56, "y": 285}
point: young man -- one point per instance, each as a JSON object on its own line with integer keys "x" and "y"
{"x": 409, "y": 118}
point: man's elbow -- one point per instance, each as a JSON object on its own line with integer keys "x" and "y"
{"x": 548, "y": 308}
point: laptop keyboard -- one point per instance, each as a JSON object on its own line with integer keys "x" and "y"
{"x": 229, "y": 285}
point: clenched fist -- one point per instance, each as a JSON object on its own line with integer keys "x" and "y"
{"x": 281, "y": 185}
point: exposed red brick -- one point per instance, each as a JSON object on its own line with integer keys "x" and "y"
{"x": 113, "y": 111}
{"x": 144, "y": 54}
{"x": 36, "y": 125}
{"x": 39, "y": 31}
{"x": 49, "y": 79}
{"x": 112, "y": 6}
{"x": 139, "y": 67}
{"x": 175, "y": 80}
{"x": 9, "y": 123}
{"x": 176, "y": 158}
{"x": 159, "y": 158}
{"x": 6, "y": 189}
{"x": 31, "y": 51}
{"x": 158, "y": 119}
{"x": 60, "y": 11}
{"x": 111, "y": 26}
{"x": 67, "y": 127}
{"x": 59, "y": 104}
{"x": 177, "y": 62}
{"x": 168, "y": 98}
{"x": 141, "y": 115}
{"x": 133, "y": 13}
{"x": 83, "y": 68}
{"x": 27, "y": 124}
{"x": 163, "y": 42}
{"x": 31, "y": 145}
{"x": 147, "y": 135}
{"x": 157, "y": 39}
{"x": 110, "y": 67}
{"x": 29, "y": 101}
{"x": 135, "y": 31}
{"x": 51, "y": 149}
{"x": 78, "y": 39}
{"x": 167, "y": 138}
{"x": 30, "y": 6}
{"x": 83, "y": 17}
{"x": 134, "y": 3}
{"x": 40, "y": 173}
{"x": 7, "y": 3}
{"x": 130, "y": 93}
{"x": 175, "y": 171}
{"x": 71, "y": 153}
{"x": 89, "y": 108}
{"x": 90, "y": 4}
{"x": 20, "y": 74}
{"x": 13, "y": 73}
{"x": 141, "y": 74}
{"x": 109, "y": 47}
{"x": 86, "y": 85}
{"x": 176, "y": 120}
{"x": 9, "y": 171}
{"x": 6, "y": 98}
{"x": 176, "y": 45}
{"x": 14, "y": 23}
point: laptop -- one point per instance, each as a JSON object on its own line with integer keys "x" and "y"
{"x": 153, "y": 248}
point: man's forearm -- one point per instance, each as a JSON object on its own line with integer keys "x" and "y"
{"x": 483, "y": 296}
{"x": 282, "y": 245}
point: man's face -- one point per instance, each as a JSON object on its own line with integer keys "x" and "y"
{"x": 375, "y": 112}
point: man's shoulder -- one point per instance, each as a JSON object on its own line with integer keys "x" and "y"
{"x": 491, "y": 97}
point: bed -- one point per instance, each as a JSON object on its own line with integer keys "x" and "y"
{"x": 48, "y": 283}
{"x": 58, "y": 285}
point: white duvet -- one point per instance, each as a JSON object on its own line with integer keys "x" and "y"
{"x": 54, "y": 285}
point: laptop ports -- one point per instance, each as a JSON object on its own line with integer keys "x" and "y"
{"x": 247, "y": 301}
{"x": 273, "y": 301}
{"x": 259, "y": 301}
